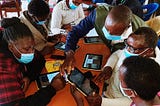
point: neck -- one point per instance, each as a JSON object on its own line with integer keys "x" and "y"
{"x": 140, "y": 102}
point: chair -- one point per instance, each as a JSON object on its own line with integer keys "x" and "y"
{"x": 10, "y": 6}
{"x": 148, "y": 10}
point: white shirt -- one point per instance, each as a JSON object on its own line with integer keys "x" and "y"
{"x": 63, "y": 15}
{"x": 115, "y": 61}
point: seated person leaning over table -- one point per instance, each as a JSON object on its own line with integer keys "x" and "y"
{"x": 66, "y": 13}
{"x": 142, "y": 42}
{"x": 21, "y": 64}
{"x": 35, "y": 17}
{"x": 113, "y": 25}
{"x": 134, "y": 84}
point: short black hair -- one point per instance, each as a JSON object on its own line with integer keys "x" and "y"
{"x": 142, "y": 75}
{"x": 121, "y": 14}
{"x": 38, "y": 8}
{"x": 14, "y": 29}
{"x": 151, "y": 37}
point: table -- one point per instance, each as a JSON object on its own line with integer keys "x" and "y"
{"x": 63, "y": 97}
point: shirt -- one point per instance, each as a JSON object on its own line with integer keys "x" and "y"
{"x": 115, "y": 61}
{"x": 62, "y": 15}
{"x": 11, "y": 79}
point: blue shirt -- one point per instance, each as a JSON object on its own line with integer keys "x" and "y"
{"x": 80, "y": 31}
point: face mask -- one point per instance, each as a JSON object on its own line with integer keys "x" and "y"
{"x": 109, "y": 36}
{"x": 72, "y": 5}
{"x": 41, "y": 22}
{"x": 128, "y": 54}
{"x": 124, "y": 94}
{"x": 25, "y": 58}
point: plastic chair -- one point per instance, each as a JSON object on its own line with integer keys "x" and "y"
{"x": 148, "y": 10}
{"x": 98, "y": 1}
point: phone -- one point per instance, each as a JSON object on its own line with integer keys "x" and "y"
{"x": 45, "y": 79}
{"x": 58, "y": 57}
{"x": 61, "y": 46}
{"x": 93, "y": 39}
{"x": 83, "y": 84}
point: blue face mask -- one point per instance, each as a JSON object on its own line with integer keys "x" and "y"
{"x": 41, "y": 22}
{"x": 72, "y": 5}
{"x": 25, "y": 58}
{"x": 128, "y": 54}
{"x": 109, "y": 36}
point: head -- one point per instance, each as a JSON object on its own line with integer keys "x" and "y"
{"x": 39, "y": 10}
{"x": 142, "y": 42}
{"x": 19, "y": 38}
{"x": 73, "y": 4}
{"x": 140, "y": 77}
{"x": 117, "y": 21}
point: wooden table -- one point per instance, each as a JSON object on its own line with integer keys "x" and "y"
{"x": 63, "y": 97}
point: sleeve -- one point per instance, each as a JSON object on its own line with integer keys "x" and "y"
{"x": 35, "y": 67}
{"x": 41, "y": 98}
{"x": 124, "y": 101}
{"x": 79, "y": 31}
{"x": 112, "y": 61}
{"x": 56, "y": 20}
{"x": 81, "y": 15}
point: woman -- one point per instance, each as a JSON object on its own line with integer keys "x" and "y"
{"x": 20, "y": 64}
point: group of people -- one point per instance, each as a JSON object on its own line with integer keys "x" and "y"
{"x": 134, "y": 61}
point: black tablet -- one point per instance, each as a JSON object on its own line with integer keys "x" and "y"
{"x": 83, "y": 84}
{"x": 45, "y": 79}
{"x": 93, "y": 39}
{"x": 92, "y": 61}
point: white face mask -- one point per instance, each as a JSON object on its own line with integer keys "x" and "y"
{"x": 124, "y": 94}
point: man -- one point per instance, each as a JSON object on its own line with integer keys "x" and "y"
{"x": 113, "y": 25}
{"x": 65, "y": 15}
{"x": 142, "y": 42}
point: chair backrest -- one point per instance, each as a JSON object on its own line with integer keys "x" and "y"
{"x": 13, "y": 6}
{"x": 149, "y": 9}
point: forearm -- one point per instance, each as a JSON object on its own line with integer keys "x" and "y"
{"x": 79, "y": 31}
{"x": 41, "y": 98}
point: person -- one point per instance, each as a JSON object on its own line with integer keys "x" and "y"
{"x": 35, "y": 17}
{"x": 112, "y": 25}
{"x": 21, "y": 64}
{"x": 65, "y": 15}
{"x": 135, "y": 73}
{"x": 134, "y": 5}
{"x": 142, "y": 42}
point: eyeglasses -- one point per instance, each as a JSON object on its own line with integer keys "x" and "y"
{"x": 132, "y": 49}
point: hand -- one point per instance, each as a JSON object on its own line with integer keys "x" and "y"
{"x": 48, "y": 49}
{"x": 69, "y": 63}
{"x": 94, "y": 99}
{"x": 76, "y": 95}
{"x": 26, "y": 82}
{"x": 58, "y": 82}
{"x": 67, "y": 27}
{"x": 104, "y": 75}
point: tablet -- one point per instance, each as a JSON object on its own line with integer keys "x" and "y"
{"x": 83, "y": 84}
{"x": 93, "y": 39}
{"x": 61, "y": 46}
{"x": 92, "y": 61}
{"x": 45, "y": 79}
